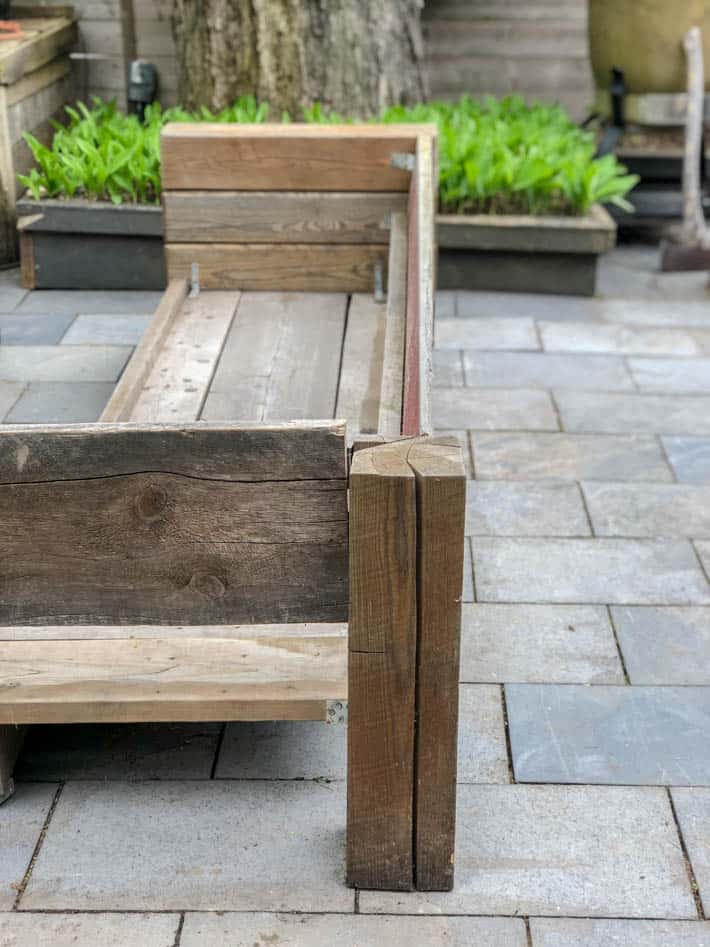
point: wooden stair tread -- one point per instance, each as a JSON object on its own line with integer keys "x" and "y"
{"x": 107, "y": 678}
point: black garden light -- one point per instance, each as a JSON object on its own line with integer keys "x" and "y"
{"x": 142, "y": 85}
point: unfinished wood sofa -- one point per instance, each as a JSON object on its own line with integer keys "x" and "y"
{"x": 260, "y": 527}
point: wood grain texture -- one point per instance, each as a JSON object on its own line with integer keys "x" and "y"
{"x": 308, "y": 267}
{"x": 112, "y": 632}
{"x": 294, "y": 157}
{"x": 411, "y": 416}
{"x": 165, "y": 548}
{"x": 11, "y": 739}
{"x": 389, "y": 421}
{"x": 230, "y": 452}
{"x": 361, "y": 366}
{"x": 382, "y": 665}
{"x": 280, "y": 360}
{"x": 441, "y": 517}
{"x": 171, "y": 679}
{"x": 45, "y": 38}
{"x": 176, "y": 387}
{"x": 278, "y": 216}
{"x": 127, "y": 390}
{"x": 427, "y": 193}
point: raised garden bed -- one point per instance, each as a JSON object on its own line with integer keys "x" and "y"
{"x": 82, "y": 244}
{"x": 516, "y": 253}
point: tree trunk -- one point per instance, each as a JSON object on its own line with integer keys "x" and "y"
{"x": 353, "y": 56}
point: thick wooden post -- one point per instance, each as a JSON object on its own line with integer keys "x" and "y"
{"x": 441, "y": 522}
{"x": 407, "y": 513}
{"x": 10, "y": 744}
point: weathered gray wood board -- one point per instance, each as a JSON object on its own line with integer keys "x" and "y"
{"x": 158, "y": 544}
{"x": 281, "y": 358}
{"x": 361, "y": 365}
{"x": 279, "y": 216}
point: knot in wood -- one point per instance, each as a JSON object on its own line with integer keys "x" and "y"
{"x": 151, "y": 503}
{"x": 207, "y": 584}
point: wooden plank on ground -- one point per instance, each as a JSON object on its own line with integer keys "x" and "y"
{"x": 176, "y": 387}
{"x": 307, "y": 267}
{"x": 278, "y": 216}
{"x": 361, "y": 367}
{"x": 171, "y": 679}
{"x": 294, "y": 157}
{"x": 139, "y": 367}
{"x": 389, "y": 421}
{"x": 307, "y": 450}
{"x": 441, "y": 516}
{"x": 382, "y": 633}
{"x": 281, "y": 358}
{"x": 112, "y": 632}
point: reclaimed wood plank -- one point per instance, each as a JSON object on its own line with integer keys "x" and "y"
{"x": 126, "y": 392}
{"x": 232, "y": 452}
{"x": 307, "y": 267}
{"x": 171, "y": 679}
{"x": 441, "y": 516}
{"x": 280, "y": 360}
{"x": 177, "y": 385}
{"x": 45, "y": 39}
{"x": 389, "y": 421}
{"x": 382, "y": 664}
{"x": 278, "y": 216}
{"x": 111, "y": 632}
{"x": 361, "y": 366}
{"x": 294, "y": 157}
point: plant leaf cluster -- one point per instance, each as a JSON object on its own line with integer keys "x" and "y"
{"x": 495, "y": 156}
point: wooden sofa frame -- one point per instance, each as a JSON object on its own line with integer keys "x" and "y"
{"x": 157, "y": 567}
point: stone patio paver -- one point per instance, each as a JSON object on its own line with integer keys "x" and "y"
{"x": 10, "y": 391}
{"x": 666, "y": 509}
{"x": 525, "y": 509}
{"x": 539, "y": 643}
{"x": 63, "y": 362}
{"x": 584, "y": 932}
{"x": 619, "y": 339}
{"x": 487, "y": 333}
{"x": 692, "y": 808}
{"x": 689, "y": 457}
{"x": 283, "y": 749}
{"x": 60, "y": 402}
{"x": 691, "y": 311}
{"x": 596, "y": 851}
{"x": 468, "y": 590}
{"x": 472, "y": 305}
{"x": 673, "y": 375}
{"x": 483, "y": 757}
{"x": 448, "y": 368}
{"x": 489, "y": 409}
{"x": 120, "y": 751}
{"x": 546, "y": 370}
{"x": 327, "y": 930}
{"x": 113, "y": 329}
{"x": 703, "y": 548}
{"x": 21, "y": 821}
{"x": 664, "y": 645}
{"x": 587, "y": 412}
{"x": 524, "y": 456}
{"x": 204, "y": 845}
{"x": 588, "y": 571}
{"x": 90, "y": 301}
{"x": 88, "y": 930}
{"x": 46, "y": 329}
{"x": 620, "y": 735}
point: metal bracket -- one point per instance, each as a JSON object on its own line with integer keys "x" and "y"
{"x": 195, "y": 281}
{"x": 336, "y": 711}
{"x": 403, "y": 161}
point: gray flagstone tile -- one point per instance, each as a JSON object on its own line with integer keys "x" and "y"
{"x": 586, "y": 412}
{"x": 692, "y": 807}
{"x": 546, "y": 370}
{"x": 664, "y": 645}
{"x": 672, "y": 375}
{"x": 21, "y": 820}
{"x": 589, "y": 932}
{"x": 619, "y": 339}
{"x": 689, "y": 457}
{"x": 649, "y": 509}
{"x": 10, "y": 391}
{"x": 486, "y": 333}
{"x": 24, "y": 929}
{"x": 525, "y": 509}
{"x": 493, "y": 409}
{"x": 60, "y": 402}
{"x": 63, "y": 362}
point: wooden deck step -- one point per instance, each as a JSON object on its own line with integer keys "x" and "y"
{"x": 92, "y": 674}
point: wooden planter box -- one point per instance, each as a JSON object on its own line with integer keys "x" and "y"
{"x": 35, "y": 84}
{"x": 261, "y": 507}
{"x": 80, "y": 244}
{"x": 523, "y": 254}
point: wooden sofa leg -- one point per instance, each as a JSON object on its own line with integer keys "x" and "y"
{"x": 11, "y": 738}
{"x": 407, "y": 521}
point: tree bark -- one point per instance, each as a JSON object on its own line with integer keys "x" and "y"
{"x": 353, "y": 56}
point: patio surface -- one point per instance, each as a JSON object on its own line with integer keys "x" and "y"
{"x": 584, "y": 769}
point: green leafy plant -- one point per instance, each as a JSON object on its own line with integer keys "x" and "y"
{"x": 495, "y": 156}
